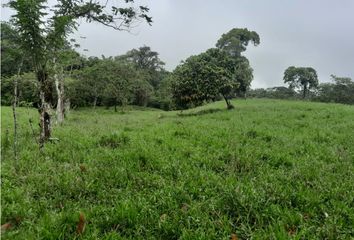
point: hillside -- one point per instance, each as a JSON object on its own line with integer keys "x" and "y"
{"x": 268, "y": 169}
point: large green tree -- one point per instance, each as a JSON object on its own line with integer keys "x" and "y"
{"x": 304, "y": 78}
{"x": 42, "y": 35}
{"x": 234, "y": 43}
{"x": 203, "y": 78}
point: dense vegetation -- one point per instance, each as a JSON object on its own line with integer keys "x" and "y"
{"x": 139, "y": 75}
{"x": 268, "y": 169}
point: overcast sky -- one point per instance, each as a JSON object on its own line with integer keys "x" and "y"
{"x": 315, "y": 33}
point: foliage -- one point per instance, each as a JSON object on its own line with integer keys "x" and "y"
{"x": 11, "y": 54}
{"x": 144, "y": 58}
{"x": 267, "y": 170}
{"x": 236, "y": 40}
{"x": 220, "y": 71}
{"x": 142, "y": 90}
{"x": 148, "y": 62}
{"x": 202, "y": 78}
{"x": 301, "y": 77}
{"x": 162, "y": 98}
{"x": 274, "y": 92}
{"x": 118, "y": 79}
{"x": 27, "y": 89}
{"x": 234, "y": 43}
{"x": 341, "y": 91}
{"x": 109, "y": 82}
{"x": 243, "y": 75}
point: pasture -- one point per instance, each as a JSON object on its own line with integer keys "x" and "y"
{"x": 268, "y": 169}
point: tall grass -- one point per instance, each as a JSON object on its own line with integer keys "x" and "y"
{"x": 268, "y": 169}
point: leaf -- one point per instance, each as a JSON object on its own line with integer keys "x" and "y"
{"x": 81, "y": 225}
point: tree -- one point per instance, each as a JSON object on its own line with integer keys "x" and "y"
{"x": 63, "y": 63}
{"x": 163, "y": 95}
{"x": 118, "y": 78}
{"x": 147, "y": 61}
{"x": 145, "y": 58}
{"x": 27, "y": 89}
{"x": 41, "y": 36}
{"x": 301, "y": 77}
{"x": 203, "y": 78}
{"x": 235, "y": 43}
{"x": 273, "y": 92}
{"x": 11, "y": 53}
{"x": 142, "y": 90}
{"x": 341, "y": 91}
{"x": 243, "y": 75}
{"x": 88, "y": 86}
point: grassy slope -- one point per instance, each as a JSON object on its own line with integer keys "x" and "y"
{"x": 267, "y": 170}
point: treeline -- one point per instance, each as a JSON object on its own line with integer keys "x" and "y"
{"x": 110, "y": 82}
{"x": 340, "y": 90}
{"x": 137, "y": 77}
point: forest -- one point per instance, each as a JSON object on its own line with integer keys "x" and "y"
{"x": 120, "y": 147}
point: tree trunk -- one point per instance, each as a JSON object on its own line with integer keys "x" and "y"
{"x": 60, "y": 102}
{"x": 59, "y": 84}
{"x": 304, "y": 92}
{"x": 45, "y": 93}
{"x": 228, "y": 103}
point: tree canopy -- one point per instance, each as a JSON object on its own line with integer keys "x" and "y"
{"x": 301, "y": 77}
{"x": 218, "y": 71}
{"x": 234, "y": 43}
{"x": 341, "y": 90}
{"x": 147, "y": 61}
{"x": 203, "y": 77}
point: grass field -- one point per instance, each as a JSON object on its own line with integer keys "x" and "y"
{"x": 268, "y": 169}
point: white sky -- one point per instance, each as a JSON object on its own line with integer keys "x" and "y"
{"x": 315, "y": 33}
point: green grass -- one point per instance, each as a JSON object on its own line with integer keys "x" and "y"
{"x": 266, "y": 170}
